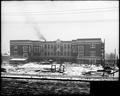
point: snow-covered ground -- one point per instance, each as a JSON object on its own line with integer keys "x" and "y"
{"x": 79, "y": 69}
{"x": 35, "y": 68}
{"x": 8, "y": 67}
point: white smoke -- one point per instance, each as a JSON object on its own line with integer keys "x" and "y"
{"x": 30, "y": 20}
{"x": 40, "y": 36}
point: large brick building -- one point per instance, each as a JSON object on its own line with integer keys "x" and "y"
{"x": 83, "y": 51}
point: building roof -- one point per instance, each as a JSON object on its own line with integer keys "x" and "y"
{"x": 89, "y": 39}
{"x": 20, "y": 40}
{"x": 38, "y": 41}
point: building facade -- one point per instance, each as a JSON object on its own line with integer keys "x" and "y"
{"x": 83, "y": 51}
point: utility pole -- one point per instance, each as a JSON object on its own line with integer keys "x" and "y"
{"x": 104, "y": 53}
{"x": 103, "y": 57}
{"x": 115, "y": 57}
{"x": 117, "y": 60}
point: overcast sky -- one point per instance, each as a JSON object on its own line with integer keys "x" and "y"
{"x": 64, "y": 20}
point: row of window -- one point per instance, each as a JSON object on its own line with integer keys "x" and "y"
{"x": 51, "y": 47}
{"x": 15, "y": 53}
{"x": 36, "y": 49}
{"x": 92, "y": 53}
{"x": 54, "y": 53}
{"x": 25, "y": 48}
{"x": 64, "y": 45}
{"x": 92, "y": 46}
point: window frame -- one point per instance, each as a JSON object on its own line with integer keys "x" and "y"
{"x": 25, "y": 49}
{"x": 93, "y": 46}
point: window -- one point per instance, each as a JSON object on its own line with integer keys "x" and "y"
{"x": 92, "y": 53}
{"x": 68, "y": 53}
{"x": 48, "y": 53}
{"x": 45, "y": 46}
{"x": 81, "y": 53}
{"x": 48, "y": 46}
{"x": 15, "y": 53}
{"x": 15, "y": 46}
{"x": 51, "y": 46}
{"x": 51, "y": 53}
{"x": 29, "y": 49}
{"x": 54, "y": 53}
{"x": 65, "y": 53}
{"x": 45, "y": 53}
{"x": 64, "y": 46}
{"x": 73, "y": 49}
{"x": 92, "y": 45}
{"x": 36, "y": 49}
{"x": 25, "y": 48}
{"x": 39, "y": 49}
{"x": 61, "y": 53}
{"x": 68, "y": 46}
{"x": 81, "y": 48}
{"x": 25, "y": 55}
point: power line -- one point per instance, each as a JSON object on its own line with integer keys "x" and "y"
{"x": 93, "y": 10}
{"x": 63, "y": 21}
{"x": 107, "y": 8}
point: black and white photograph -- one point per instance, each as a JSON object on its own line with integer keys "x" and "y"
{"x": 58, "y": 47}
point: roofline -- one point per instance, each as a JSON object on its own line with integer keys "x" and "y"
{"x": 89, "y": 39}
{"x": 19, "y": 40}
{"x": 55, "y": 40}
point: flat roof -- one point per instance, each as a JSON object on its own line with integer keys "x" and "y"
{"x": 38, "y": 41}
{"x": 89, "y": 39}
{"x": 20, "y": 40}
{"x": 18, "y": 59}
